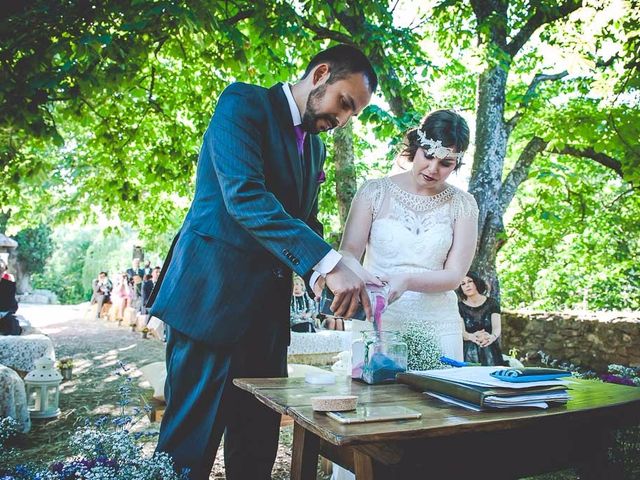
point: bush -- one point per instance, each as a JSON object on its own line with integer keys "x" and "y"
{"x": 423, "y": 352}
{"x": 102, "y": 450}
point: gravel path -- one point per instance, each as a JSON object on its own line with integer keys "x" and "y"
{"x": 97, "y": 347}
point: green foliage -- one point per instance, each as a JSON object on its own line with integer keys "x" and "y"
{"x": 104, "y": 109}
{"x": 63, "y": 272}
{"x": 573, "y": 240}
{"x": 81, "y": 252}
{"x": 34, "y": 248}
{"x": 110, "y": 251}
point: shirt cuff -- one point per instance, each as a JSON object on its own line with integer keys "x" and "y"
{"x": 324, "y": 266}
{"x": 328, "y": 262}
{"x": 314, "y": 278}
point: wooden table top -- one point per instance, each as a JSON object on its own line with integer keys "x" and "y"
{"x": 590, "y": 400}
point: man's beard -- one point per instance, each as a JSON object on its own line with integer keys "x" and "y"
{"x": 311, "y": 115}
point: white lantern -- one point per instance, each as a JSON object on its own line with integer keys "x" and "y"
{"x": 43, "y": 389}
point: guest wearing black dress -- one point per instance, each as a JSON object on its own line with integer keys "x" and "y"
{"x": 481, "y": 315}
{"x": 9, "y": 324}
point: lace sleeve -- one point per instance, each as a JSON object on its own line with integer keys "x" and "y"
{"x": 371, "y": 194}
{"x": 464, "y": 205}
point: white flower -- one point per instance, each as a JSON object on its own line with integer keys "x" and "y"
{"x": 423, "y": 348}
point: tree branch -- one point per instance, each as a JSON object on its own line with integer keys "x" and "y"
{"x": 322, "y": 32}
{"x": 520, "y": 171}
{"x": 601, "y": 158}
{"x": 238, "y": 17}
{"x": 623, "y": 194}
{"x": 395, "y": 5}
{"x": 492, "y": 14}
{"x": 528, "y": 96}
{"x": 539, "y": 18}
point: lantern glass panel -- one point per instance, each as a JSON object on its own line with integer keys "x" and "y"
{"x": 52, "y": 393}
{"x": 34, "y": 400}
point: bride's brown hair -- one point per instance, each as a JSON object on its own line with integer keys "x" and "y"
{"x": 444, "y": 125}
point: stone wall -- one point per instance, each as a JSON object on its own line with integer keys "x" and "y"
{"x": 586, "y": 339}
{"x": 39, "y": 297}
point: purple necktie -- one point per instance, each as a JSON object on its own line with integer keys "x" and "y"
{"x": 300, "y": 134}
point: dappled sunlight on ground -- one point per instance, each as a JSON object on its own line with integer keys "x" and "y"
{"x": 98, "y": 349}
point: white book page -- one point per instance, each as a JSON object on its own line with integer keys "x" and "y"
{"x": 480, "y": 376}
{"x": 453, "y": 401}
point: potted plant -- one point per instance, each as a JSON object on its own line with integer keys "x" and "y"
{"x": 65, "y": 365}
{"x": 145, "y": 332}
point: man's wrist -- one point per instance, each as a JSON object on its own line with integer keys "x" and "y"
{"x": 327, "y": 263}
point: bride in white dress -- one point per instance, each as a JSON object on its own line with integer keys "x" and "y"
{"x": 419, "y": 233}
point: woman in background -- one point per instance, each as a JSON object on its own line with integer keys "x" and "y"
{"x": 9, "y": 324}
{"x": 302, "y": 309}
{"x": 4, "y": 271}
{"x": 481, "y": 316}
{"x": 122, "y": 295}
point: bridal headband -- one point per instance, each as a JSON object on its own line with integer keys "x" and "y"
{"x": 435, "y": 148}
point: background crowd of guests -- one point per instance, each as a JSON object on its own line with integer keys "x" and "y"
{"x": 132, "y": 288}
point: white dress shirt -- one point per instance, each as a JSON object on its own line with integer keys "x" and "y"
{"x": 331, "y": 259}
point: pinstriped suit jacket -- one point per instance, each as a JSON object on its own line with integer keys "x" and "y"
{"x": 253, "y": 219}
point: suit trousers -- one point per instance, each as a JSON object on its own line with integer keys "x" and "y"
{"x": 203, "y": 403}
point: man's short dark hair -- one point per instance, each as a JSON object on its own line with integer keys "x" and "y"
{"x": 104, "y": 273}
{"x": 344, "y": 60}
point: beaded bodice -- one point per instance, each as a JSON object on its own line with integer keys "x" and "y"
{"x": 410, "y": 232}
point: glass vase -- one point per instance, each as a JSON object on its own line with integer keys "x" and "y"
{"x": 385, "y": 355}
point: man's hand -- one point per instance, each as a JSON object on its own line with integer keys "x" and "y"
{"x": 348, "y": 290}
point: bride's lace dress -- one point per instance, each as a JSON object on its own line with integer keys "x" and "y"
{"x": 414, "y": 233}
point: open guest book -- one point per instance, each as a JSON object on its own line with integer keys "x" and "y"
{"x": 477, "y": 389}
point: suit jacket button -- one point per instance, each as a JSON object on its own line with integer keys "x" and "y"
{"x": 295, "y": 261}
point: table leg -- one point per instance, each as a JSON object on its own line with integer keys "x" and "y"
{"x": 594, "y": 461}
{"x": 304, "y": 458}
{"x": 366, "y": 468}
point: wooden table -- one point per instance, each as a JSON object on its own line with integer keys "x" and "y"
{"x": 448, "y": 441}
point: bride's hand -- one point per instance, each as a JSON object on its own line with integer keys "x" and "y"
{"x": 396, "y": 284}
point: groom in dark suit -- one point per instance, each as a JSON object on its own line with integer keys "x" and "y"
{"x": 226, "y": 284}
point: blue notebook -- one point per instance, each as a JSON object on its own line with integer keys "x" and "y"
{"x": 529, "y": 374}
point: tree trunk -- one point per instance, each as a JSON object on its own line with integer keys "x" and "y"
{"x": 345, "y": 170}
{"x": 486, "y": 175}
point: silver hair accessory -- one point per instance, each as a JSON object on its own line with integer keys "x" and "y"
{"x": 435, "y": 148}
